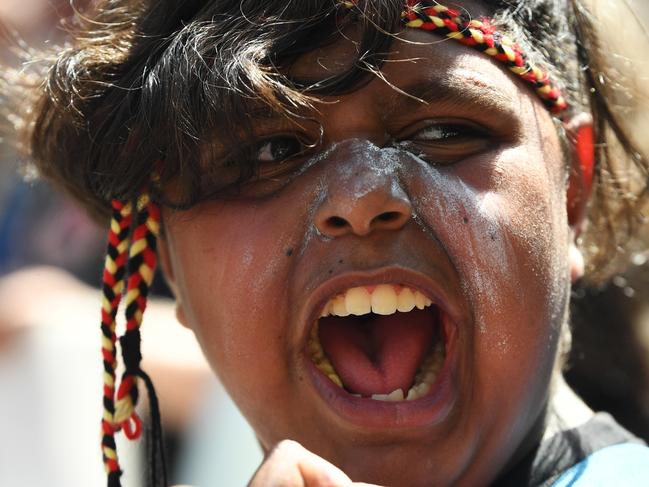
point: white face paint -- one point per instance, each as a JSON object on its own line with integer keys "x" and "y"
{"x": 484, "y": 243}
{"x": 483, "y": 230}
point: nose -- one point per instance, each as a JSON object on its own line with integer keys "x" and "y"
{"x": 364, "y": 195}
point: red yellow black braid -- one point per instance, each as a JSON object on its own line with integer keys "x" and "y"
{"x": 141, "y": 266}
{"x": 483, "y": 36}
{"x": 113, "y": 287}
{"x": 136, "y": 255}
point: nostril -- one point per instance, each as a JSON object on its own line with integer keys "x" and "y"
{"x": 376, "y": 211}
{"x": 388, "y": 216}
{"x": 336, "y": 222}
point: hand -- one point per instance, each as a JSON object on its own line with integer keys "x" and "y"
{"x": 292, "y": 465}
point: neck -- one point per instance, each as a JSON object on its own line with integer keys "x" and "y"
{"x": 563, "y": 411}
{"x": 566, "y": 410}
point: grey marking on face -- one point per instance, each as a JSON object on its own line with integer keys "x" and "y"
{"x": 484, "y": 242}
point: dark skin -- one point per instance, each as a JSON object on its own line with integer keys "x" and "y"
{"x": 473, "y": 179}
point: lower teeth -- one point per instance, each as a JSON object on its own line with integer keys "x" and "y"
{"x": 424, "y": 379}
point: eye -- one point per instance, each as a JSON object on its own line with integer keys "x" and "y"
{"x": 442, "y": 132}
{"x": 279, "y": 155}
{"x": 278, "y": 149}
{"x": 244, "y": 166}
{"x": 446, "y": 142}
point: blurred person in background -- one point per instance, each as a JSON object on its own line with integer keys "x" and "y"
{"x": 609, "y": 361}
{"x": 37, "y": 224}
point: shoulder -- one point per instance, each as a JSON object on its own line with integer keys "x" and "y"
{"x": 622, "y": 465}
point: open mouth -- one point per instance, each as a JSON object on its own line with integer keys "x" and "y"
{"x": 385, "y": 342}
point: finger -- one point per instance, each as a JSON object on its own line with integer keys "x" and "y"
{"x": 292, "y": 465}
{"x": 317, "y": 472}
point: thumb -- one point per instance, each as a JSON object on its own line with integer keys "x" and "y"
{"x": 292, "y": 465}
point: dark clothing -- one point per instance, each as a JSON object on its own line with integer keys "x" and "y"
{"x": 553, "y": 458}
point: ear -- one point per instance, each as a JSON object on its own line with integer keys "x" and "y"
{"x": 581, "y": 137}
{"x": 164, "y": 258}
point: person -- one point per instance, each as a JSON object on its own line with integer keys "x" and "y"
{"x": 370, "y": 213}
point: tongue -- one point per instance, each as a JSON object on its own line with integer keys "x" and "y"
{"x": 377, "y": 354}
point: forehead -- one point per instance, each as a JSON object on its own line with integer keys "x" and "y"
{"x": 333, "y": 58}
{"x": 422, "y": 67}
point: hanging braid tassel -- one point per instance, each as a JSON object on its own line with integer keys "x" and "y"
{"x": 141, "y": 267}
{"x": 112, "y": 289}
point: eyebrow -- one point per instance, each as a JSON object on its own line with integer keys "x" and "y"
{"x": 447, "y": 91}
{"x": 453, "y": 91}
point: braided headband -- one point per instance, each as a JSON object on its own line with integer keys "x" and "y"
{"x": 131, "y": 255}
{"x": 481, "y": 35}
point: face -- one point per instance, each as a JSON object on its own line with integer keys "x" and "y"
{"x": 450, "y": 199}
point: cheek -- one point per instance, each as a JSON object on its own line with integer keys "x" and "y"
{"x": 230, "y": 266}
{"x": 503, "y": 224}
{"x": 527, "y": 267}
{"x": 504, "y": 227}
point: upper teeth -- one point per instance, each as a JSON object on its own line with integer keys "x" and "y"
{"x": 384, "y": 299}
